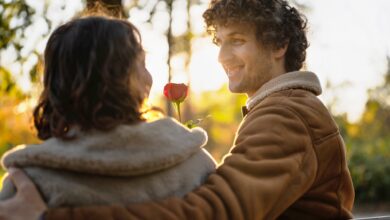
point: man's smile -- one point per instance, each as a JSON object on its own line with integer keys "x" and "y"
{"x": 232, "y": 71}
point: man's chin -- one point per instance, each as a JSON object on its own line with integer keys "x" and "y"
{"x": 235, "y": 89}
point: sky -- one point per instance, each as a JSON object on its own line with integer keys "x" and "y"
{"x": 349, "y": 42}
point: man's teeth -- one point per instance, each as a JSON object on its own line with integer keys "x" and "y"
{"x": 232, "y": 71}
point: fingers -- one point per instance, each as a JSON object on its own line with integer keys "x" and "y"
{"x": 22, "y": 183}
{"x": 26, "y": 193}
{"x": 26, "y": 204}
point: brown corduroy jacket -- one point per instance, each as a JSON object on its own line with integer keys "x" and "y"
{"x": 288, "y": 162}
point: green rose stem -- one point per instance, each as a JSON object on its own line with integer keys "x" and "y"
{"x": 178, "y": 110}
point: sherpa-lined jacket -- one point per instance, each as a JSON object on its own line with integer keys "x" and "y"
{"x": 132, "y": 163}
{"x": 287, "y": 162}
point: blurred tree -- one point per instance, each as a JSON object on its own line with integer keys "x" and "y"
{"x": 220, "y": 118}
{"x": 18, "y": 20}
{"x": 368, "y": 142}
{"x": 8, "y": 85}
{"x": 15, "y": 17}
{"x": 177, "y": 44}
{"x": 110, "y": 7}
{"x": 14, "y": 119}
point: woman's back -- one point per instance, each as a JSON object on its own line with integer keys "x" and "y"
{"x": 132, "y": 163}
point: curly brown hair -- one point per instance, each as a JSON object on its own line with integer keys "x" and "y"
{"x": 88, "y": 77}
{"x": 276, "y": 23}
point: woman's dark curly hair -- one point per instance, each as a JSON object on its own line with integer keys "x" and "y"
{"x": 89, "y": 77}
{"x": 277, "y": 24}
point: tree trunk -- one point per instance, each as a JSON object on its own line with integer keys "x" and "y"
{"x": 170, "y": 52}
{"x": 112, "y": 8}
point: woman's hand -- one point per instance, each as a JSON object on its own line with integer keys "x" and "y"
{"x": 27, "y": 204}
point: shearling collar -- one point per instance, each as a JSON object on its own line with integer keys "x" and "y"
{"x": 128, "y": 150}
{"x": 292, "y": 80}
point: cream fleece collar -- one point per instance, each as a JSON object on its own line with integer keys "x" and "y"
{"x": 292, "y": 80}
{"x": 128, "y": 150}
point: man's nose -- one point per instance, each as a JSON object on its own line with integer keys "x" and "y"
{"x": 225, "y": 54}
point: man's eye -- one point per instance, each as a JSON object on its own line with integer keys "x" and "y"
{"x": 237, "y": 41}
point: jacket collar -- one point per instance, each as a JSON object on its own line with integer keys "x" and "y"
{"x": 128, "y": 150}
{"x": 291, "y": 80}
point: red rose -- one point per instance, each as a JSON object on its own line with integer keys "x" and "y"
{"x": 176, "y": 92}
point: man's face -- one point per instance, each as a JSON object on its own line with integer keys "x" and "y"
{"x": 247, "y": 63}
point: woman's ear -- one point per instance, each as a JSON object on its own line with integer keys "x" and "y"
{"x": 280, "y": 52}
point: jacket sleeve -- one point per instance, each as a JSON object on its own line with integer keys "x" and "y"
{"x": 272, "y": 163}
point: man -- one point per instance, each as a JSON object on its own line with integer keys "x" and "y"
{"x": 288, "y": 158}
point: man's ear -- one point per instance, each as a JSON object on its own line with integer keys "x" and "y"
{"x": 280, "y": 52}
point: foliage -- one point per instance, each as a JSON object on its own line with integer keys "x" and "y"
{"x": 15, "y": 107}
{"x": 8, "y": 85}
{"x": 15, "y": 17}
{"x": 368, "y": 145}
{"x": 220, "y": 118}
{"x": 18, "y": 19}
{"x": 15, "y": 126}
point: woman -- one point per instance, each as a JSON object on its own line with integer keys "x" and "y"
{"x": 98, "y": 148}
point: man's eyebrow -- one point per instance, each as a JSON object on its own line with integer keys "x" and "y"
{"x": 235, "y": 33}
{"x": 232, "y": 34}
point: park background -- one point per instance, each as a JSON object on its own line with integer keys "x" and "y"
{"x": 349, "y": 50}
